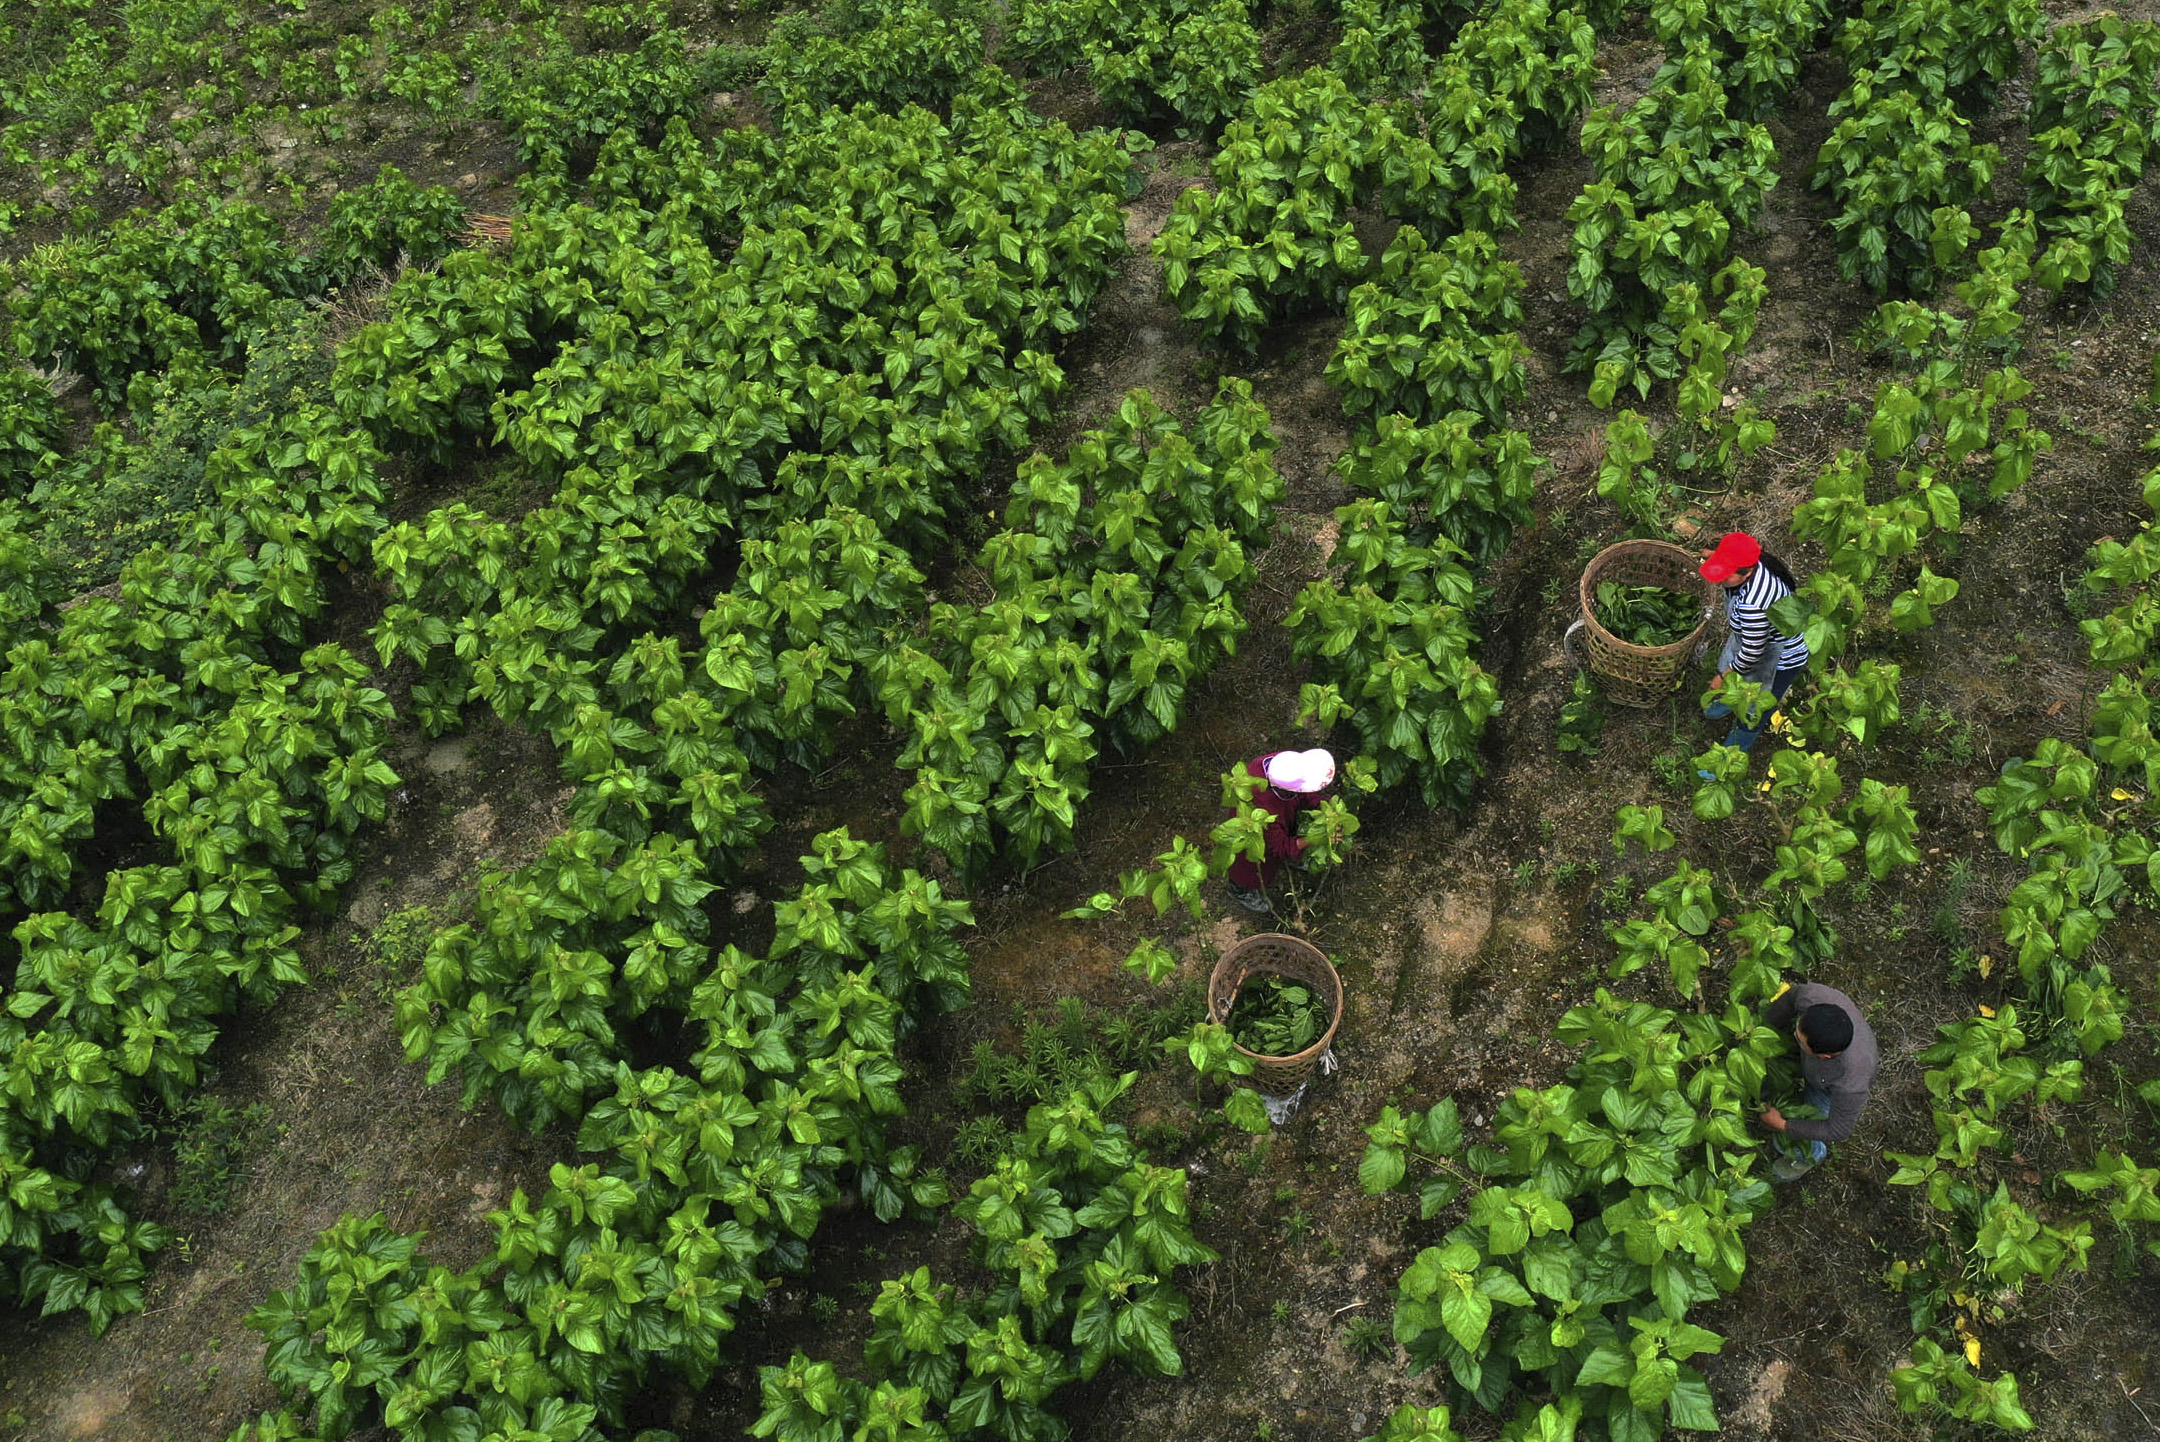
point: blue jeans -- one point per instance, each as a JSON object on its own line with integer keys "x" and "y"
{"x": 1816, "y": 1097}
{"x": 1743, "y": 737}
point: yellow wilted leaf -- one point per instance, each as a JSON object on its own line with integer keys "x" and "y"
{"x": 1988, "y": 1012}
{"x": 1783, "y": 987}
{"x": 1987, "y": 964}
{"x": 1972, "y": 1350}
{"x": 2119, "y": 794}
{"x": 1765, "y": 787}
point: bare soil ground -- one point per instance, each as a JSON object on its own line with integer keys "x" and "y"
{"x": 1461, "y": 937}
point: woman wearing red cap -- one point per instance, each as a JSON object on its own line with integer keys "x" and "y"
{"x": 1295, "y": 780}
{"x": 1754, "y": 581}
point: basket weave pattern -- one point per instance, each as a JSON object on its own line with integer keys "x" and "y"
{"x": 1642, "y": 675}
{"x": 1272, "y": 953}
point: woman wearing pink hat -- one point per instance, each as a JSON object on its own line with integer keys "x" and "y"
{"x": 1754, "y": 581}
{"x": 1295, "y": 780}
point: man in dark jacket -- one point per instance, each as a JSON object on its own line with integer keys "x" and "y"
{"x": 1295, "y": 780}
{"x": 1837, "y": 1059}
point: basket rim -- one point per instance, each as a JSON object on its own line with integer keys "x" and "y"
{"x": 1584, "y": 591}
{"x": 1335, "y": 1010}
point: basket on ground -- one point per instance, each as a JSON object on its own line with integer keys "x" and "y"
{"x": 1635, "y": 675}
{"x": 1272, "y": 953}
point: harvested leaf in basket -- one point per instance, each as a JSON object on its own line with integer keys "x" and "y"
{"x": 1275, "y": 1016}
{"x": 1646, "y": 615}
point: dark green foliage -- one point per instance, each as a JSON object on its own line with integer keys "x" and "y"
{"x": 211, "y": 1143}
{"x": 1901, "y": 164}
{"x": 1448, "y": 482}
{"x": 1582, "y": 717}
{"x": 948, "y": 262}
{"x": 1080, "y": 1237}
{"x": 32, "y": 426}
{"x": 1437, "y": 332}
{"x": 1115, "y": 588}
{"x": 1653, "y": 236}
{"x": 1678, "y": 145}
{"x": 1196, "y": 61}
{"x": 833, "y": 333}
{"x": 882, "y": 53}
{"x": 1367, "y": 1338}
{"x": 371, "y": 226}
{"x": 1604, "y": 1210}
{"x": 1072, "y": 1049}
{"x": 1274, "y": 236}
{"x": 1192, "y": 61}
{"x": 129, "y": 488}
{"x": 1274, "y": 1016}
{"x": 190, "y": 697}
{"x": 1391, "y": 639}
{"x": 193, "y": 280}
{"x": 1902, "y": 167}
{"x": 1759, "y": 43}
{"x": 1647, "y": 615}
{"x": 1382, "y": 50}
{"x": 700, "y": 1183}
{"x": 1954, "y": 51}
{"x": 557, "y": 102}
{"x": 1507, "y": 87}
{"x": 2093, "y": 125}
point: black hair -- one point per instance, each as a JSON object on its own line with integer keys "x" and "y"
{"x": 1826, "y": 1029}
{"x": 1776, "y": 566}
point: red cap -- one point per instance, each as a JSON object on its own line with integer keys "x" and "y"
{"x": 1735, "y": 553}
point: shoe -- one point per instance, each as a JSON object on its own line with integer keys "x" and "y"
{"x": 1706, "y": 775}
{"x": 1792, "y": 1169}
{"x": 1251, "y": 899}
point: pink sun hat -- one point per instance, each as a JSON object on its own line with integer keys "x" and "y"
{"x": 1301, "y": 771}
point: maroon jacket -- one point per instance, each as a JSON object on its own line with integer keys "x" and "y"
{"x": 1282, "y": 839}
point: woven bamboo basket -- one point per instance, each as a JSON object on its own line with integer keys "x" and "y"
{"x": 1635, "y": 675}
{"x": 1300, "y": 961}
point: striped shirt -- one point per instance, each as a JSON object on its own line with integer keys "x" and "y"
{"x": 1747, "y": 611}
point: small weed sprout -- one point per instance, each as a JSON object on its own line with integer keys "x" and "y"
{"x": 2077, "y": 601}
{"x": 980, "y": 1141}
{"x": 1949, "y": 740}
{"x": 1946, "y": 923}
{"x": 1367, "y": 1338}
{"x": 1582, "y": 717}
{"x": 212, "y": 1144}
